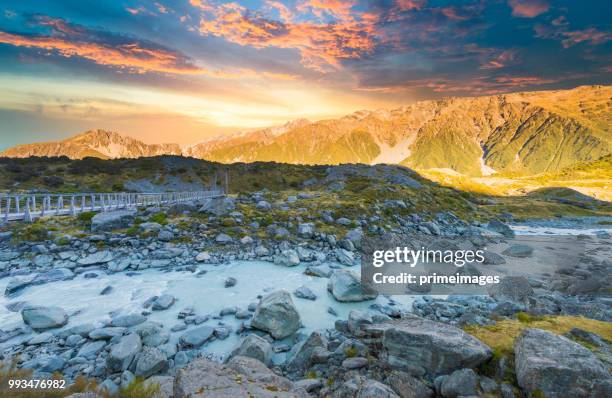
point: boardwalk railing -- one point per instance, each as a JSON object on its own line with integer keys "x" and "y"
{"x": 27, "y": 207}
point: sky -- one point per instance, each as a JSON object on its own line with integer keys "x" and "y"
{"x": 185, "y": 70}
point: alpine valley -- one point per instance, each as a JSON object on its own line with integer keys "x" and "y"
{"x": 524, "y": 133}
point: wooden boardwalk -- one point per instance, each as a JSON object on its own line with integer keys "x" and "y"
{"x": 28, "y": 207}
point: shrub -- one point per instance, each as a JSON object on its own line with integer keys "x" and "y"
{"x": 351, "y": 352}
{"x": 34, "y": 232}
{"x": 159, "y": 218}
{"x": 86, "y": 217}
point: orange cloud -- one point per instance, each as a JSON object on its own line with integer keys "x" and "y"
{"x": 407, "y": 5}
{"x": 504, "y": 59}
{"x": 285, "y": 13}
{"x": 121, "y": 52}
{"x": 320, "y": 44}
{"x": 528, "y": 8}
{"x": 591, "y": 36}
{"x": 131, "y": 56}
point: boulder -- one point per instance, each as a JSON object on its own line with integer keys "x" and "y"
{"x": 241, "y": 377}
{"x": 150, "y": 361}
{"x": 355, "y": 236}
{"x": 304, "y": 293}
{"x": 123, "y": 353}
{"x": 42, "y": 318}
{"x": 100, "y": 257}
{"x": 277, "y": 315}
{"x": 500, "y": 228}
{"x": 223, "y": 238}
{"x": 165, "y": 385}
{"x": 346, "y": 286}
{"x": 90, "y": 350}
{"x": 127, "y": 320}
{"x": 54, "y": 275}
{"x": 163, "y": 302}
{"x": 256, "y": 347}
{"x": 218, "y": 206}
{"x": 263, "y": 205}
{"x": 354, "y": 363}
{"x": 288, "y": 258}
{"x": 408, "y": 386}
{"x": 107, "y": 221}
{"x": 107, "y": 333}
{"x": 202, "y": 256}
{"x": 300, "y": 357}
{"x": 194, "y": 338}
{"x": 344, "y": 256}
{"x": 306, "y": 230}
{"x": 518, "y": 250}
{"x": 460, "y": 383}
{"x": 362, "y": 387}
{"x": 554, "y": 366}
{"x": 424, "y": 347}
{"x": 515, "y": 289}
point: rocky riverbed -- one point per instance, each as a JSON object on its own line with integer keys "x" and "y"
{"x": 278, "y": 310}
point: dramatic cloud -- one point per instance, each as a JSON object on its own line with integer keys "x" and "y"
{"x": 103, "y": 48}
{"x": 591, "y": 36}
{"x": 230, "y": 64}
{"x": 320, "y": 45}
{"x": 528, "y": 8}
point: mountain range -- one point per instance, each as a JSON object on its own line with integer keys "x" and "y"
{"x": 524, "y": 133}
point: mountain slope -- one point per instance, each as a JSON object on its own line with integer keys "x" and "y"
{"x": 94, "y": 143}
{"x": 525, "y": 133}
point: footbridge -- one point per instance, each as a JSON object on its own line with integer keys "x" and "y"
{"x": 29, "y": 206}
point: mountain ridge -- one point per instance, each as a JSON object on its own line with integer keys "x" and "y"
{"x": 524, "y": 132}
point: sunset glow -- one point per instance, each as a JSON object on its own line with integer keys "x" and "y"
{"x": 182, "y": 71}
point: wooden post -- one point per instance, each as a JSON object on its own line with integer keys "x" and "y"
{"x": 17, "y": 204}
{"x": 8, "y": 207}
{"x": 73, "y": 211}
{"x": 27, "y": 216}
{"x": 60, "y": 204}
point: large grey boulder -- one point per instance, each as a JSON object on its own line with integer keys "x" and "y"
{"x": 423, "y": 347}
{"x": 277, "y": 315}
{"x": 150, "y": 361}
{"x": 362, "y": 387}
{"x": 555, "y": 367}
{"x": 306, "y": 230}
{"x": 288, "y": 258}
{"x": 163, "y": 302}
{"x": 112, "y": 220}
{"x": 128, "y": 320}
{"x": 91, "y": 349}
{"x": 42, "y": 318}
{"x": 100, "y": 257}
{"x": 344, "y": 256}
{"x": 346, "y": 286}
{"x": 408, "y": 386}
{"x": 518, "y": 250}
{"x": 300, "y": 356}
{"x": 460, "y": 383}
{"x": 122, "y": 353}
{"x": 500, "y": 228}
{"x": 194, "y": 338}
{"x": 218, "y": 206}
{"x": 256, "y": 347}
{"x": 515, "y": 289}
{"x": 240, "y": 377}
